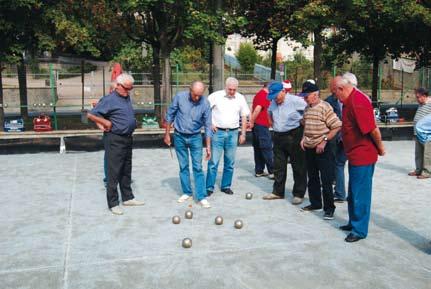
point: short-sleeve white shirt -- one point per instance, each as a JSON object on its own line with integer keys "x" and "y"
{"x": 227, "y": 110}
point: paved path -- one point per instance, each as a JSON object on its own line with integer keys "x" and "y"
{"x": 58, "y": 233}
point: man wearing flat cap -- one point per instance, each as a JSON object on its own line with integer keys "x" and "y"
{"x": 321, "y": 125}
{"x": 286, "y": 112}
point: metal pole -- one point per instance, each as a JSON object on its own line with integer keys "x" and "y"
{"x": 334, "y": 70}
{"x": 177, "y": 77}
{"x": 402, "y": 85}
{"x": 379, "y": 88}
{"x": 103, "y": 76}
{"x": 52, "y": 89}
{"x": 82, "y": 84}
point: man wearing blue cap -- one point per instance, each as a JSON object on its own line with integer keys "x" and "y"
{"x": 286, "y": 112}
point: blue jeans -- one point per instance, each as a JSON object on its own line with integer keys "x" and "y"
{"x": 340, "y": 162}
{"x": 262, "y": 147}
{"x": 193, "y": 143}
{"x": 359, "y": 199}
{"x": 222, "y": 141}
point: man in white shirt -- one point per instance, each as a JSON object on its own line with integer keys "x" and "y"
{"x": 227, "y": 106}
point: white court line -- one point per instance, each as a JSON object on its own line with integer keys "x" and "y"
{"x": 69, "y": 229}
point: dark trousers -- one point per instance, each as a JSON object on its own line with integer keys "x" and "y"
{"x": 118, "y": 150}
{"x": 262, "y": 146}
{"x": 287, "y": 146}
{"x": 320, "y": 169}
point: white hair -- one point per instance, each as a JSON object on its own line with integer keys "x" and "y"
{"x": 311, "y": 81}
{"x": 232, "y": 80}
{"x": 123, "y": 78}
{"x": 350, "y": 78}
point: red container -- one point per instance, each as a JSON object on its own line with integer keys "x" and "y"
{"x": 42, "y": 123}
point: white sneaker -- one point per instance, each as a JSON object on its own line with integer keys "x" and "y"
{"x": 183, "y": 198}
{"x": 271, "y": 176}
{"x": 297, "y": 200}
{"x": 205, "y": 204}
{"x": 133, "y": 202}
{"x": 116, "y": 210}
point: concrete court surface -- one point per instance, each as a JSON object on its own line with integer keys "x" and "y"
{"x": 56, "y": 231}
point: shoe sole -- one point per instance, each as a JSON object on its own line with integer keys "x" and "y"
{"x": 133, "y": 205}
{"x": 314, "y": 210}
{"x": 328, "y": 218}
{"x": 271, "y": 199}
{"x": 182, "y": 201}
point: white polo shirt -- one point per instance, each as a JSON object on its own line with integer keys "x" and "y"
{"x": 227, "y": 110}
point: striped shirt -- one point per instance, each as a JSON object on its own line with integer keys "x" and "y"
{"x": 423, "y": 110}
{"x": 318, "y": 121}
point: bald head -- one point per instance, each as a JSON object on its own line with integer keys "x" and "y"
{"x": 197, "y": 89}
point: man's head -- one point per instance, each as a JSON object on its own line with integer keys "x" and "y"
{"x": 333, "y": 84}
{"x": 197, "y": 89}
{"x": 310, "y": 92}
{"x": 421, "y": 95}
{"x": 231, "y": 86}
{"x": 344, "y": 86}
{"x": 124, "y": 84}
{"x": 276, "y": 91}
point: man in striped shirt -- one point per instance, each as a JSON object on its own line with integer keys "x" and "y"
{"x": 321, "y": 125}
{"x": 424, "y": 109}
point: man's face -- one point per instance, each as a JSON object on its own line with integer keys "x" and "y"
{"x": 312, "y": 98}
{"x": 421, "y": 98}
{"x": 280, "y": 97}
{"x": 196, "y": 92}
{"x": 123, "y": 89}
{"x": 231, "y": 89}
{"x": 341, "y": 93}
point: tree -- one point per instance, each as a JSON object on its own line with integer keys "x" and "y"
{"x": 247, "y": 57}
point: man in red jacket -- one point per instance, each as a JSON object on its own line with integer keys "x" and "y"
{"x": 362, "y": 143}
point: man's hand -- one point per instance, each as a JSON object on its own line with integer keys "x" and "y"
{"x": 381, "y": 151}
{"x": 208, "y": 153}
{"x": 167, "y": 139}
{"x": 301, "y": 144}
{"x": 107, "y": 125}
{"x": 320, "y": 148}
{"x": 214, "y": 128}
{"x": 100, "y": 126}
{"x": 251, "y": 124}
{"x": 241, "y": 138}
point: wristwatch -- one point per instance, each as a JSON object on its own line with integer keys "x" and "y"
{"x": 325, "y": 138}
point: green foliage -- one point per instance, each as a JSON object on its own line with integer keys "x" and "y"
{"x": 299, "y": 69}
{"x": 247, "y": 57}
{"x": 190, "y": 59}
{"x": 131, "y": 58}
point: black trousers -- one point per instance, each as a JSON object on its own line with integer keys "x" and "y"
{"x": 118, "y": 150}
{"x": 321, "y": 169}
{"x": 287, "y": 146}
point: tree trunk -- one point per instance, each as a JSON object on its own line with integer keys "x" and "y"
{"x": 22, "y": 81}
{"x": 376, "y": 61}
{"x": 156, "y": 83}
{"x": 166, "y": 83}
{"x": 317, "y": 55}
{"x": 1, "y": 100}
{"x": 274, "y": 57}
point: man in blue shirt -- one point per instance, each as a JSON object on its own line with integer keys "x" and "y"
{"x": 189, "y": 112}
{"x": 115, "y": 116}
{"x": 286, "y": 112}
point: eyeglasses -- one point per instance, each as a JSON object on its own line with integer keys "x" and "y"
{"x": 125, "y": 87}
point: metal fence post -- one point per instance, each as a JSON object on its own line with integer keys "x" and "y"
{"x": 53, "y": 99}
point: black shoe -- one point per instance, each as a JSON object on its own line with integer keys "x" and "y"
{"x": 338, "y": 200}
{"x": 329, "y": 215}
{"x": 227, "y": 191}
{"x": 352, "y": 238}
{"x": 310, "y": 208}
{"x": 209, "y": 193}
{"x": 346, "y": 228}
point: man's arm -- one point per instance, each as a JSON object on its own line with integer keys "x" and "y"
{"x": 331, "y": 134}
{"x": 101, "y": 123}
{"x": 377, "y": 139}
{"x": 243, "y": 129}
{"x": 169, "y": 118}
{"x": 208, "y": 148}
{"x": 254, "y": 115}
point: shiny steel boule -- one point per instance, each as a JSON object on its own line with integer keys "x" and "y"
{"x": 249, "y": 196}
{"x": 187, "y": 243}
{"x": 218, "y": 220}
{"x": 188, "y": 214}
{"x": 238, "y": 224}
{"x": 176, "y": 219}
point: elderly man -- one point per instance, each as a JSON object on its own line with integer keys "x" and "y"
{"x": 321, "y": 125}
{"x": 189, "y": 112}
{"x": 340, "y": 155}
{"x": 262, "y": 141}
{"x": 115, "y": 116}
{"x": 286, "y": 112}
{"x": 362, "y": 143}
{"x": 424, "y": 109}
{"x": 227, "y": 106}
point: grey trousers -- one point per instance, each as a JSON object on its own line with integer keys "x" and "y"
{"x": 422, "y": 157}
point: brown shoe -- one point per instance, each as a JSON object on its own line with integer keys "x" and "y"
{"x": 413, "y": 174}
{"x": 271, "y": 196}
{"x": 423, "y": 176}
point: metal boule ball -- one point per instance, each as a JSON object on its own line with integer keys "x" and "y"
{"x": 238, "y": 224}
{"x": 189, "y": 214}
{"x": 218, "y": 220}
{"x": 187, "y": 243}
{"x": 176, "y": 219}
{"x": 249, "y": 196}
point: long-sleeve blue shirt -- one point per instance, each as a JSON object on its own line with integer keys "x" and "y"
{"x": 189, "y": 116}
{"x": 119, "y": 110}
